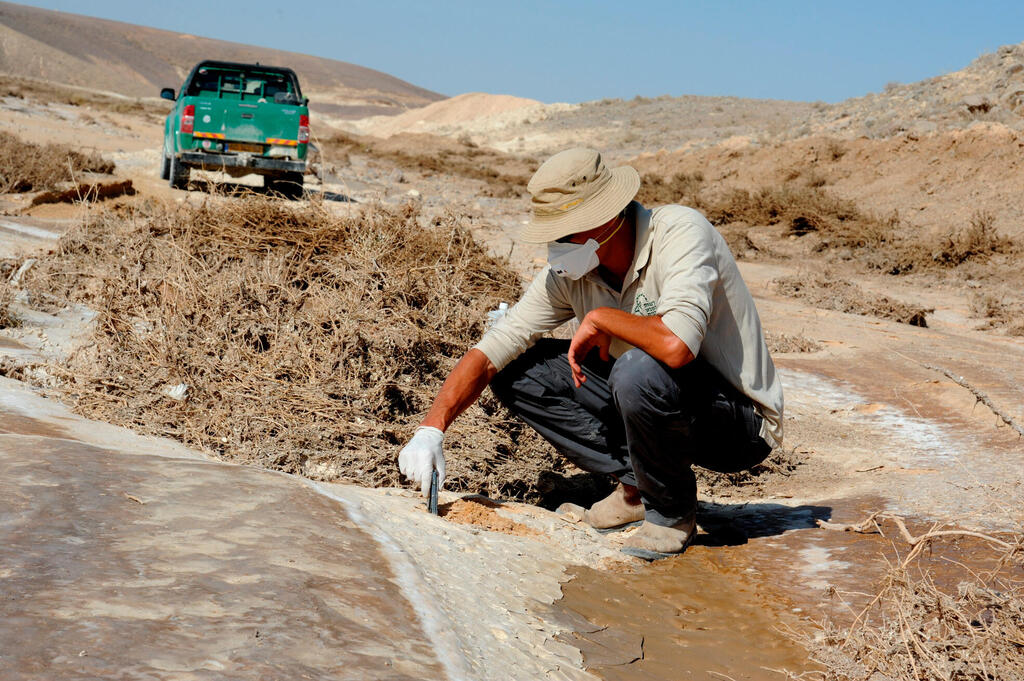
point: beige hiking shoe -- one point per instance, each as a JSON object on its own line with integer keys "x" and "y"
{"x": 619, "y": 509}
{"x": 653, "y": 542}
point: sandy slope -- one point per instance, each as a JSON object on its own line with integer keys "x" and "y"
{"x": 456, "y": 113}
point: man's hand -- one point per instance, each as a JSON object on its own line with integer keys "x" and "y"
{"x": 587, "y": 337}
{"x": 421, "y": 456}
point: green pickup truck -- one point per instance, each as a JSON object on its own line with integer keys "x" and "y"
{"x": 239, "y": 119}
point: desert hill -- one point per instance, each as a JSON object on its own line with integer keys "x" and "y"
{"x": 137, "y": 61}
{"x": 988, "y": 90}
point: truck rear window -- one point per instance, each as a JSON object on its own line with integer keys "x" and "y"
{"x": 276, "y": 87}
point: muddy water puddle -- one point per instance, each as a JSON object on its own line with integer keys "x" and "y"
{"x": 700, "y": 616}
{"x": 735, "y": 605}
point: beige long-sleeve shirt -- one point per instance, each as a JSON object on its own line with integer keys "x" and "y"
{"x": 683, "y": 271}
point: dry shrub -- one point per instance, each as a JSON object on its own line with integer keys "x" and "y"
{"x": 801, "y": 207}
{"x": 825, "y": 291}
{"x": 504, "y": 175}
{"x": 309, "y": 343}
{"x": 978, "y": 240}
{"x": 878, "y": 242}
{"x": 26, "y": 167}
{"x": 915, "y": 629}
{"x": 682, "y": 188}
{"x": 998, "y": 313}
{"x": 7, "y": 318}
{"x": 781, "y": 342}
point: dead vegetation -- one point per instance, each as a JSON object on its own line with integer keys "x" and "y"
{"x": 968, "y": 626}
{"x": 781, "y": 463}
{"x": 289, "y": 337}
{"x": 782, "y": 342}
{"x": 997, "y": 313}
{"x": 825, "y": 291}
{"x": 503, "y": 174}
{"x": 27, "y": 167}
{"x": 99, "y": 191}
{"x": 7, "y": 317}
{"x": 802, "y": 205}
{"x": 46, "y": 92}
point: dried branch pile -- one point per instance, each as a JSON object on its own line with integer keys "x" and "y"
{"x": 305, "y": 342}
{"x": 27, "y": 167}
{"x": 827, "y": 291}
{"x": 916, "y": 629}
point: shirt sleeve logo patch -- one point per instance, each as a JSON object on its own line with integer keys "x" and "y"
{"x": 644, "y": 306}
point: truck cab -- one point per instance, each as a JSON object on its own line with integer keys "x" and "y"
{"x": 238, "y": 119}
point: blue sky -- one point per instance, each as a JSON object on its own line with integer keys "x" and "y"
{"x": 578, "y": 50}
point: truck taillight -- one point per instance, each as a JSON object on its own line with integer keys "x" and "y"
{"x": 303, "y": 129}
{"x": 188, "y": 118}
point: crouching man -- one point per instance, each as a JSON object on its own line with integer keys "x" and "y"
{"x": 669, "y": 367}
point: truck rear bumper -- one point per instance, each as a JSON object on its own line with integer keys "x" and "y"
{"x": 217, "y": 161}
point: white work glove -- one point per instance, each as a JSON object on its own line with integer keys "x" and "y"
{"x": 421, "y": 456}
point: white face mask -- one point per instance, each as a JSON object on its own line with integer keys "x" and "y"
{"x": 572, "y": 261}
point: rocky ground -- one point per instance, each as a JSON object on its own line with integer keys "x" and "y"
{"x": 880, "y": 416}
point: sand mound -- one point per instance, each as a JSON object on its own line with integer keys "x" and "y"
{"x": 447, "y": 113}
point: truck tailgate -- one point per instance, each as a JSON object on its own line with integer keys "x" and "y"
{"x": 253, "y": 122}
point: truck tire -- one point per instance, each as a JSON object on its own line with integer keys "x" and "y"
{"x": 287, "y": 185}
{"x": 165, "y": 168}
{"x": 178, "y": 174}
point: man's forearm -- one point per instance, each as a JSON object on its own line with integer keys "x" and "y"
{"x": 647, "y": 333}
{"x": 462, "y": 388}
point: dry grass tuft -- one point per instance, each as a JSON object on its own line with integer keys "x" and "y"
{"x": 825, "y": 291}
{"x": 307, "y": 342}
{"x": 978, "y": 240}
{"x": 26, "y": 167}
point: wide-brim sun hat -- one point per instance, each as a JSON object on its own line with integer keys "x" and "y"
{"x": 574, "y": 191}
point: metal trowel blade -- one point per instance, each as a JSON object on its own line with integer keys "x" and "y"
{"x": 432, "y": 503}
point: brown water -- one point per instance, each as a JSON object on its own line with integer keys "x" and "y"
{"x": 700, "y": 616}
{"x": 727, "y": 608}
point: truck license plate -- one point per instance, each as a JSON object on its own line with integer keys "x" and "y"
{"x": 242, "y": 146}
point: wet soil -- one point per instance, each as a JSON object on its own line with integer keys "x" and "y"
{"x": 482, "y": 512}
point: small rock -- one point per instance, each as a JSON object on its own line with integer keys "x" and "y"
{"x": 412, "y": 193}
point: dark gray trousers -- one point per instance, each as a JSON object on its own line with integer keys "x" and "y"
{"x": 636, "y": 419}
